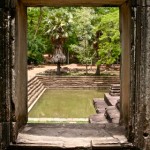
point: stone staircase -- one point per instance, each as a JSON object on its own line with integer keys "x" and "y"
{"x": 79, "y": 82}
{"x": 107, "y": 109}
{"x": 35, "y": 90}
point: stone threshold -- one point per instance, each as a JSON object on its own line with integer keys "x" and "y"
{"x": 72, "y": 136}
{"x": 59, "y": 120}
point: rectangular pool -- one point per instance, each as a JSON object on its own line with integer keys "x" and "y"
{"x": 65, "y": 103}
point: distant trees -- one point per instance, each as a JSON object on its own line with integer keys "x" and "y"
{"x": 109, "y": 41}
{"x": 82, "y": 26}
{"x": 37, "y": 41}
{"x": 70, "y": 30}
{"x": 107, "y": 36}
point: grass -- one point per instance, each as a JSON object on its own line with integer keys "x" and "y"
{"x": 61, "y": 103}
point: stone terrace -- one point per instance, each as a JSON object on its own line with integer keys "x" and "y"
{"x": 107, "y": 109}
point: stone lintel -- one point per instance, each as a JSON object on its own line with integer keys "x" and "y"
{"x": 35, "y": 3}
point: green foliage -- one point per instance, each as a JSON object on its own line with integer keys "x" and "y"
{"x": 109, "y": 41}
{"x": 57, "y": 22}
{"x": 82, "y": 26}
{"x": 76, "y": 29}
{"x": 36, "y": 47}
{"x": 38, "y": 42}
{"x": 84, "y": 55}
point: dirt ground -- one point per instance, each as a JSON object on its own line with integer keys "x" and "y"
{"x": 33, "y": 70}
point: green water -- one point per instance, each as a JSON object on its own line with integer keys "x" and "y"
{"x": 60, "y": 103}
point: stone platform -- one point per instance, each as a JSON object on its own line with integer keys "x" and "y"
{"x": 72, "y": 136}
{"x": 107, "y": 108}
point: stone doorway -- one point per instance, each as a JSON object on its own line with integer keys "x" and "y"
{"x": 21, "y": 28}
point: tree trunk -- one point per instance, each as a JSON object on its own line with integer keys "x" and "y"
{"x": 97, "y": 70}
{"x": 91, "y": 64}
{"x": 58, "y": 68}
{"x": 86, "y": 68}
{"x": 68, "y": 57}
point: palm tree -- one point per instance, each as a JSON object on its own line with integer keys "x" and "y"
{"x": 58, "y": 22}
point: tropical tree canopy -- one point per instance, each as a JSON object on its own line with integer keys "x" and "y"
{"x": 73, "y": 31}
{"x": 109, "y": 41}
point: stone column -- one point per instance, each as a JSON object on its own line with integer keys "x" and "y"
{"x": 125, "y": 30}
{"x": 139, "y": 124}
{"x": 6, "y": 40}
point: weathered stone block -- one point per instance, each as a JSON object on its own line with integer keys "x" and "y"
{"x": 105, "y": 141}
{"x": 111, "y": 100}
{"x": 8, "y": 3}
{"x": 142, "y": 3}
{"x": 98, "y": 119}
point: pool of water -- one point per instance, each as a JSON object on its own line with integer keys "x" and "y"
{"x": 64, "y": 103}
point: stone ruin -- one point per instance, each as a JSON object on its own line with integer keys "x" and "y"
{"x": 135, "y": 67}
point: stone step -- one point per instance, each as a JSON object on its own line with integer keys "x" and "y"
{"x": 114, "y": 91}
{"x": 115, "y": 86}
{"x": 112, "y": 114}
{"x": 99, "y": 105}
{"x": 34, "y": 96}
{"x": 33, "y": 84}
{"x": 77, "y": 78}
{"x": 74, "y": 83}
{"x": 85, "y": 77}
{"x": 35, "y": 92}
{"x": 80, "y": 79}
{"x": 98, "y": 119}
{"x": 34, "y": 89}
{"x": 31, "y": 81}
{"x": 36, "y": 85}
{"x": 111, "y": 100}
{"x": 77, "y": 81}
{"x": 114, "y": 94}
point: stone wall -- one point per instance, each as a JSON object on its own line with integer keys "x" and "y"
{"x": 6, "y": 40}
{"x": 139, "y": 125}
{"x": 76, "y": 82}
